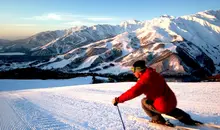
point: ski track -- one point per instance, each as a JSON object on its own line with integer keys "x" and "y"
{"x": 89, "y": 107}
{"x": 12, "y": 120}
{"x": 33, "y": 116}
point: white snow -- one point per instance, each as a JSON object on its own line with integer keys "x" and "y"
{"x": 117, "y": 69}
{"x": 171, "y": 47}
{"x": 125, "y": 41}
{"x": 60, "y": 34}
{"x": 108, "y": 45}
{"x": 175, "y": 65}
{"x": 88, "y": 62}
{"x": 131, "y": 25}
{"x": 131, "y": 21}
{"x": 11, "y": 85}
{"x": 202, "y": 33}
{"x": 55, "y": 104}
{"x": 50, "y": 43}
{"x": 202, "y": 29}
{"x": 60, "y": 64}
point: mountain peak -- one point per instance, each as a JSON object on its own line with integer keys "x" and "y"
{"x": 132, "y": 21}
{"x": 211, "y": 12}
{"x": 167, "y": 16}
{"x": 77, "y": 28}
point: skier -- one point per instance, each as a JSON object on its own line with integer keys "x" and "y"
{"x": 159, "y": 99}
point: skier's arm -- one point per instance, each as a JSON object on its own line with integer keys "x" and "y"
{"x": 133, "y": 92}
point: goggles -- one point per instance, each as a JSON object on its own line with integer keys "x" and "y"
{"x": 134, "y": 69}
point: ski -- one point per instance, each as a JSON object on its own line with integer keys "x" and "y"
{"x": 144, "y": 120}
{"x": 202, "y": 125}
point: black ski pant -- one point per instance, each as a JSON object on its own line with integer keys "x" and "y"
{"x": 177, "y": 113}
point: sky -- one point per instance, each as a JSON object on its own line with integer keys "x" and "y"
{"x": 23, "y": 18}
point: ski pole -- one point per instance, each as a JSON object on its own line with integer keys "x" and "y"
{"x": 120, "y": 117}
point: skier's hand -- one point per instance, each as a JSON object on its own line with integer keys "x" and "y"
{"x": 115, "y": 101}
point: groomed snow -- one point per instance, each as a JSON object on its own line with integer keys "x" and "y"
{"x": 59, "y": 104}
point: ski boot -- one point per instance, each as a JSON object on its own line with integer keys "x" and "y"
{"x": 166, "y": 123}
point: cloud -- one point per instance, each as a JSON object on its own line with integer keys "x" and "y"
{"x": 53, "y": 16}
{"x": 70, "y": 17}
{"x": 50, "y": 16}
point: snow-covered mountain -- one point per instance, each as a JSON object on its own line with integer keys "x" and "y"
{"x": 3, "y": 43}
{"x": 186, "y": 45}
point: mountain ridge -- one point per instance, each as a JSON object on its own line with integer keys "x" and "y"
{"x": 187, "y": 38}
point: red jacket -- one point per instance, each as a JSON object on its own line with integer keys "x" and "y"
{"x": 153, "y": 85}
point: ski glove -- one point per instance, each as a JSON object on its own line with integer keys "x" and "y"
{"x": 115, "y": 101}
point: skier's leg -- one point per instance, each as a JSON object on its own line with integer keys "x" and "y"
{"x": 183, "y": 117}
{"x": 149, "y": 109}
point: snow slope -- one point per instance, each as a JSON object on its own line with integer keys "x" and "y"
{"x": 165, "y": 33}
{"x": 36, "y": 105}
{"x": 202, "y": 29}
{"x": 190, "y": 38}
